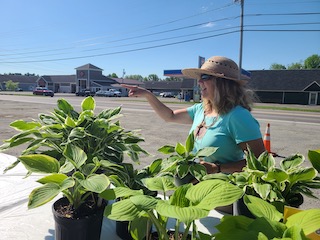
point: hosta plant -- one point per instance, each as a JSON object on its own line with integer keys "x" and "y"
{"x": 183, "y": 161}
{"x": 280, "y": 185}
{"x": 187, "y": 204}
{"x": 76, "y": 149}
{"x": 269, "y": 223}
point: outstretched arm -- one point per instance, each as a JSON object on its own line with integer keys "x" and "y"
{"x": 166, "y": 113}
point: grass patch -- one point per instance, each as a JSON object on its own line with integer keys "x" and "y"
{"x": 302, "y": 109}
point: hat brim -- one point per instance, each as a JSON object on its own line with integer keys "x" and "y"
{"x": 197, "y": 72}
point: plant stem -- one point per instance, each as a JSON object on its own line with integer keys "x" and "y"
{"x": 162, "y": 232}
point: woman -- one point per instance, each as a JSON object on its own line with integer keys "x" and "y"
{"x": 222, "y": 120}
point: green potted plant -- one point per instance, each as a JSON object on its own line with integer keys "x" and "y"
{"x": 183, "y": 163}
{"x": 269, "y": 223}
{"x": 77, "y": 150}
{"x": 187, "y": 203}
{"x": 130, "y": 177}
{"x": 280, "y": 185}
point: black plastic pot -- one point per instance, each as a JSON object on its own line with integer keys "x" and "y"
{"x": 181, "y": 181}
{"x": 122, "y": 230}
{"x": 84, "y": 228}
{"x": 240, "y": 208}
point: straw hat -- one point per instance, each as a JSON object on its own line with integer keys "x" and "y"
{"x": 217, "y": 66}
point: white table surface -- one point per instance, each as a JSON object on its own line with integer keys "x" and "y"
{"x": 19, "y": 223}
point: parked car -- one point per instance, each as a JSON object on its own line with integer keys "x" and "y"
{"x": 167, "y": 95}
{"x": 18, "y": 90}
{"x": 102, "y": 93}
{"x": 43, "y": 91}
{"x": 114, "y": 93}
{"x": 109, "y": 93}
{"x": 85, "y": 93}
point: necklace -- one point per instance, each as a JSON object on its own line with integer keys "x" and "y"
{"x": 202, "y": 127}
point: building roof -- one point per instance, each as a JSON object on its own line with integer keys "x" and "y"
{"x": 128, "y": 81}
{"x": 284, "y": 80}
{"x": 59, "y": 78}
{"x": 88, "y": 66}
{"x": 19, "y": 78}
{"x": 163, "y": 85}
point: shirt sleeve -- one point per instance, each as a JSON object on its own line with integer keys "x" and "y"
{"x": 243, "y": 126}
{"x": 193, "y": 109}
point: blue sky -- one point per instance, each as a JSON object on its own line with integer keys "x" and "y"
{"x": 146, "y": 36}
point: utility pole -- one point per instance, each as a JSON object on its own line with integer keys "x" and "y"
{"x": 241, "y": 36}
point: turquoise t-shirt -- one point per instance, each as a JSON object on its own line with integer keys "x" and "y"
{"x": 226, "y": 133}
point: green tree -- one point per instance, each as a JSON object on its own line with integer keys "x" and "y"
{"x": 277, "y": 66}
{"x": 172, "y": 79}
{"x": 135, "y": 77}
{"x": 294, "y": 66}
{"x": 312, "y": 62}
{"x": 153, "y": 77}
{"x": 11, "y": 86}
{"x": 113, "y": 75}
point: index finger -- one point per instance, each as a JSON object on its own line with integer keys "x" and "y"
{"x": 128, "y": 86}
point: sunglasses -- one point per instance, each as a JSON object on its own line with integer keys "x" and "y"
{"x": 205, "y": 77}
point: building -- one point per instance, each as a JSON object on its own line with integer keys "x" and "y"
{"x": 287, "y": 86}
{"x": 271, "y": 86}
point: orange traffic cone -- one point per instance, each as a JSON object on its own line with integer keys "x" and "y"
{"x": 267, "y": 141}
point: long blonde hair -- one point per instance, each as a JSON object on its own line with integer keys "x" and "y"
{"x": 227, "y": 95}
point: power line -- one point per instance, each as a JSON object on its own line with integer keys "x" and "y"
{"x": 175, "y": 29}
{"x": 156, "y": 46}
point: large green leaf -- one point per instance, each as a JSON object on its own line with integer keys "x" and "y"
{"x": 178, "y": 198}
{"x": 190, "y": 143}
{"x": 301, "y": 175}
{"x": 271, "y": 229}
{"x": 53, "y": 178}
{"x": 314, "y": 157}
{"x": 119, "y": 192}
{"x": 140, "y": 227}
{"x": 88, "y": 103}
{"x": 261, "y": 208}
{"x": 64, "y": 106}
{"x": 181, "y": 150}
{"x": 70, "y": 122}
{"x": 183, "y": 214}
{"x": 75, "y": 155}
{"x": 182, "y": 170}
{"x": 294, "y": 232}
{"x": 144, "y": 202}
{"x": 206, "y": 152}
{"x": 308, "y": 220}
{"x": 127, "y": 210}
{"x": 47, "y": 192}
{"x": 40, "y": 163}
{"x": 43, "y": 194}
{"x": 253, "y": 163}
{"x": 213, "y": 193}
{"x": 109, "y": 113}
{"x": 230, "y": 223}
{"x": 267, "y": 160}
{"x": 263, "y": 189}
{"x": 164, "y": 183}
{"x": 275, "y": 174}
{"x": 95, "y": 183}
{"x": 22, "y": 125}
{"x": 292, "y": 161}
{"x": 198, "y": 171}
{"x": 167, "y": 149}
